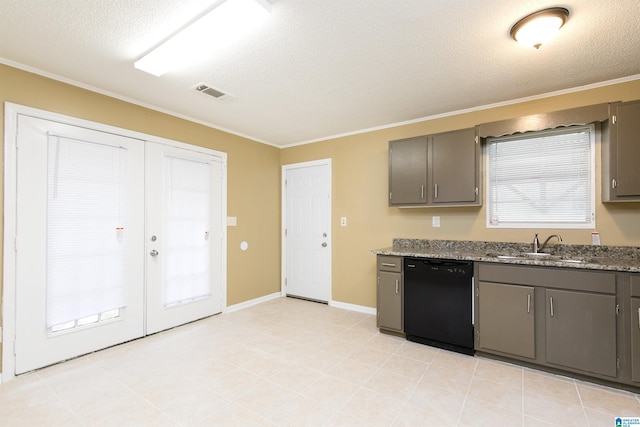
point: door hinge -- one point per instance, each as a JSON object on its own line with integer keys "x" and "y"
{"x": 614, "y": 119}
{"x": 477, "y": 139}
{"x": 15, "y": 244}
{"x": 617, "y": 309}
{"x": 285, "y": 232}
{"x": 378, "y": 280}
{"x": 389, "y": 195}
{"x": 285, "y": 282}
{"x": 477, "y": 190}
{"x": 477, "y": 292}
{"x": 618, "y": 364}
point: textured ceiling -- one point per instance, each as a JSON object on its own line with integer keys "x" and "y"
{"x": 319, "y": 68}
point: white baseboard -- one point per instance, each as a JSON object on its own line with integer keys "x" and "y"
{"x": 353, "y": 307}
{"x": 246, "y": 304}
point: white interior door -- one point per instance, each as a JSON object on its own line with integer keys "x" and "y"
{"x": 79, "y": 247}
{"x": 185, "y": 221}
{"x": 307, "y": 241}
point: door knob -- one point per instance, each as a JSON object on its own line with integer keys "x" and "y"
{"x": 153, "y": 253}
{"x": 324, "y": 244}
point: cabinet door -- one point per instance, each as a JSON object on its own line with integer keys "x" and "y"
{"x": 581, "y": 331}
{"x": 635, "y": 339}
{"x": 408, "y": 171}
{"x": 506, "y": 319}
{"x": 628, "y": 149}
{"x": 390, "y": 301}
{"x": 453, "y": 164}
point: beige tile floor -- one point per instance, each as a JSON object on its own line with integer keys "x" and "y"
{"x": 288, "y": 362}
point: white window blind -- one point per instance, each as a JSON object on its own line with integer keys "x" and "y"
{"x": 543, "y": 179}
{"x": 86, "y": 230}
{"x": 187, "y": 211}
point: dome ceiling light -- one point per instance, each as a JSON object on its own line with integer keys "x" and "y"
{"x": 539, "y": 27}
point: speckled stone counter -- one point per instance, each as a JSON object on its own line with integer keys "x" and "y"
{"x": 612, "y": 258}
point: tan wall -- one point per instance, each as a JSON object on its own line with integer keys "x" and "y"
{"x": 360, "y": 188}
{"x": 253, "y": 173}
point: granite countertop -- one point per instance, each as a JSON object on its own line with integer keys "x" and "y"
{"x": 611, "y": 258}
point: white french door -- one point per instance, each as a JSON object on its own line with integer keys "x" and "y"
{"x": 116, "y": 238}
{"x": 80, "y": 228}
{"x": 184, "y": 236}
{"x": 307, "y": 230}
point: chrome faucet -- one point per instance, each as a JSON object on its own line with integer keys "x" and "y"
{"x": 537, "y": 247}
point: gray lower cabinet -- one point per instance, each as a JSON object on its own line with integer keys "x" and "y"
{"x": 634, "y": 326}
{"x": 560, "y": 318}
{"x": 581, "y": 331}
{"x": 390, "y": 302}
{"x": 506, "y": 314}
{"x": 635, "y": 339}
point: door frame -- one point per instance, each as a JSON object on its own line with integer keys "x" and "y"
{"x": 283, "y": 209}
{"x": 12, "y": 111}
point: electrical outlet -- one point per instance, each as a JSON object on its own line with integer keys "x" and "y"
{"x": 343, "y": 221}
{"x": 435, "y": 221}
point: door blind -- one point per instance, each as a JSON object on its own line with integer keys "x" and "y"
{"x": 86, "y": 229}
{"x": 187, "y": 204}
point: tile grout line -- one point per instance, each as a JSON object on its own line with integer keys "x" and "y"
{"x": 584, "y": 411}
{"x": 466, "y": 396}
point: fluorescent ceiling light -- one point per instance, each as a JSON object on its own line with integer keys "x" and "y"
{"x": 539, "y": 27}
{"x": 224, "y": 23}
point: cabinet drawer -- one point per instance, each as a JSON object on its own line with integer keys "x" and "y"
{"x": 389, "y": 263}
{"x": 549, "y": 277}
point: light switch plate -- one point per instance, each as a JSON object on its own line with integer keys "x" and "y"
{"x": 435, "y": 221}
{"x": 232, "y": 221}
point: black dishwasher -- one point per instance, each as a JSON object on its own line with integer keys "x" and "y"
{"x": 438, "y": 303}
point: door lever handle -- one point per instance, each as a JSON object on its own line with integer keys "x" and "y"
{"x": 153, "y": 253}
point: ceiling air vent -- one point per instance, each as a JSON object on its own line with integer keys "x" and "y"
{"x": 208, "y": 90}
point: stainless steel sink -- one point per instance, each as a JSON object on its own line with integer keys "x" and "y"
{"x": 542, "y": 256}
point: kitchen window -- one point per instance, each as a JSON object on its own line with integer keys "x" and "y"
{"x": 542, "y": 179}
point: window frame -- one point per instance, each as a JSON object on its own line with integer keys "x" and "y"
{"x": 594, "y": 137}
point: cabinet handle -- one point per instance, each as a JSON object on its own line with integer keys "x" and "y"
{"x": 397, "y": 286}
{"x": 614, "y": 183}
{"x": 422, "y": 191}
{"x": 551, "y": 303}
{"x": 387, "y": 264}
{"x": 528, "y": 303}
{"x": 435, "y": 191}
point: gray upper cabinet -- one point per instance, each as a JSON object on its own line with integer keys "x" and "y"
{"x": 453, "y": 164}
{"x": 435, "y": 170}
{"x": 621, "y": 153}
{"x": 408, "y": 171}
